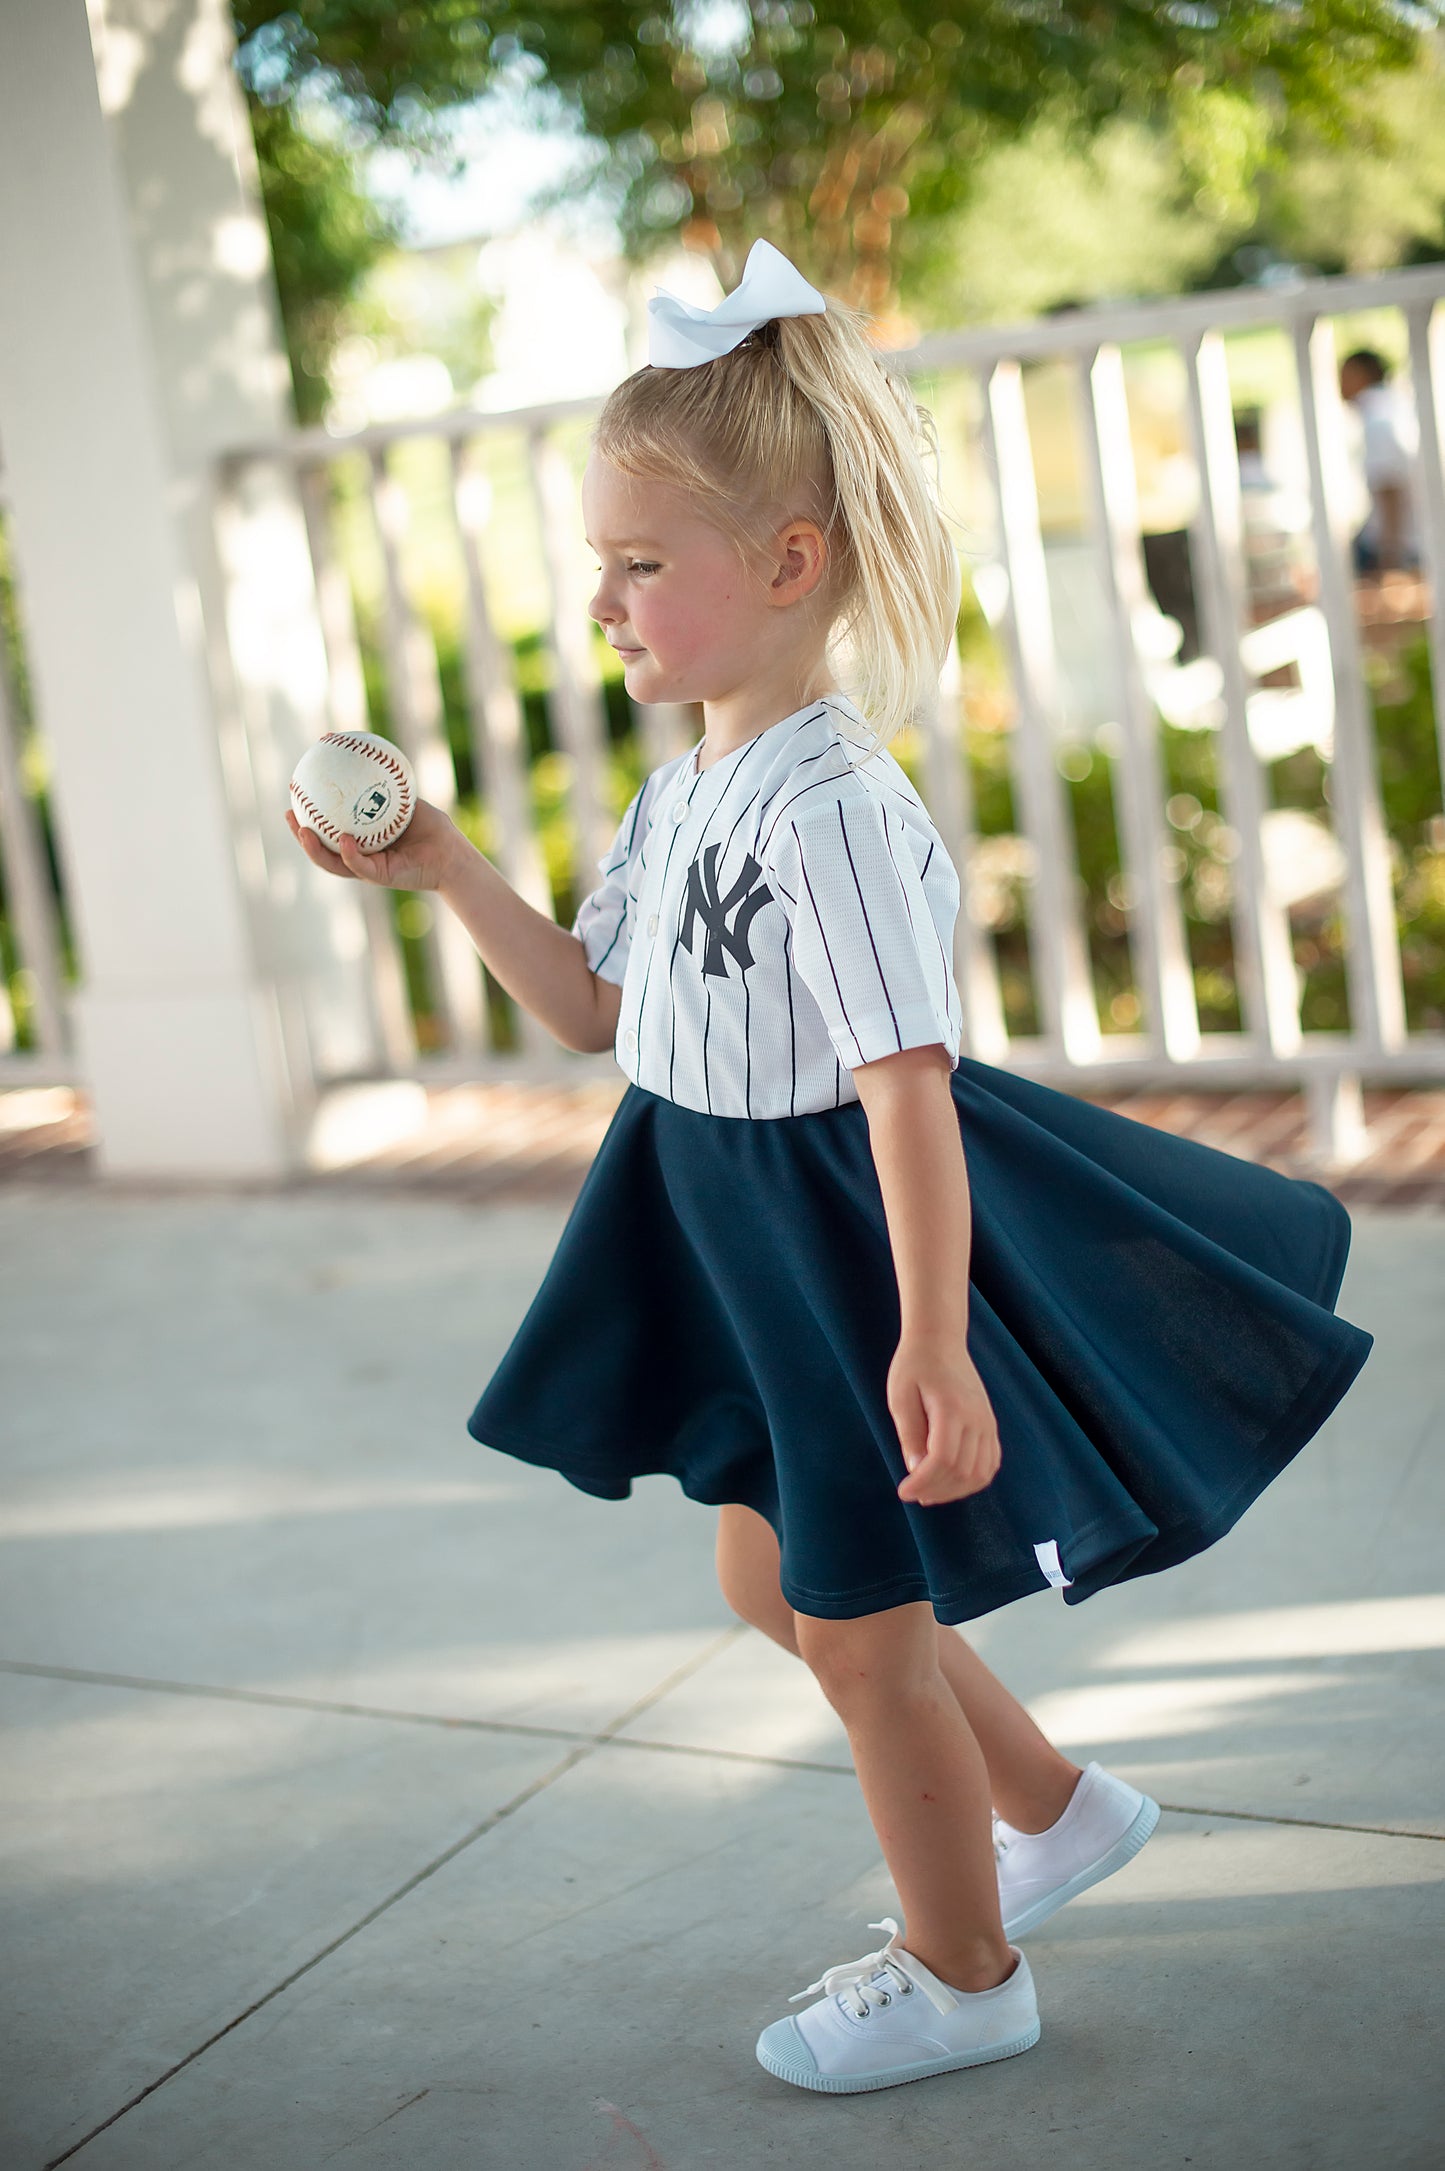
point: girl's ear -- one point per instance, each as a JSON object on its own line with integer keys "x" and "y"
{"x": 799, "y": 561}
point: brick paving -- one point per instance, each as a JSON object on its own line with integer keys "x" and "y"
{"x": 516, "y": 1141}
{"x": 1405, "y": 1128}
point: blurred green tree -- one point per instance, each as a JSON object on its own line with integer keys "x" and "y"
{"x": 826, "y": 123}
{"x": 1050, "y": 218}
{"x": 1376, "y": 198}
{"x": 326, "y": 234}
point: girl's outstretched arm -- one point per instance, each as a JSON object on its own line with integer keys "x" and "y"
{"x": 543, "y": 966}
{"x": 946, "y": 1426}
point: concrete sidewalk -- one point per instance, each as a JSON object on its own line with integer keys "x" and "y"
{"x": 372, "y": 1799}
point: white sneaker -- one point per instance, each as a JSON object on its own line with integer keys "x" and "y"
{"x": 1106, "y": 1823}
{"x": 887, "y": 2018}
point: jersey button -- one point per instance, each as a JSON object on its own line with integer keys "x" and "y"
{"x": 652, "y": 924}
{"x": 630, "y": 1038}
{"x": 679, "y": 810}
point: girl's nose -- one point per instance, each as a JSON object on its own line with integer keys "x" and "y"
{"x": 599, "y": 607}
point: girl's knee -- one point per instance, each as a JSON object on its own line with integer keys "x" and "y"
{"x": 748, "y": 1564}
{"x": 876, "y": 1653}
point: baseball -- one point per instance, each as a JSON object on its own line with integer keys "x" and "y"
{"x": 354, "y": 783}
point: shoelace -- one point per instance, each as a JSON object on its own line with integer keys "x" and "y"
{"x": 850, "y": 1978}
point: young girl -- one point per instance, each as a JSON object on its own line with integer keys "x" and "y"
{"x": 928, "y": 1335}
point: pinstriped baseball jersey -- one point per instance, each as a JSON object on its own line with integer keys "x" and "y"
{"x": 774, "y": 920}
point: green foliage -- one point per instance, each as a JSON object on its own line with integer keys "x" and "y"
{"x": 1373, "y": 199}
{"x": 1052, "y": 218}
{"x": 408, "y": 304}
{"x": 325, "y": 236}
{"x": 824, "y": 123}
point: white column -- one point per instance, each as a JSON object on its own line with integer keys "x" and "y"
{"x": 180, "y": 1038}
{"x": 177, "y": 120}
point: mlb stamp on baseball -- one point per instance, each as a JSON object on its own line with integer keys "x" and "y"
{"x": 354, "y": 783}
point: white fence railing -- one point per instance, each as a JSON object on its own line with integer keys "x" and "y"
{"x": 1092, "y": 342}
{"x": 501, "y": 509}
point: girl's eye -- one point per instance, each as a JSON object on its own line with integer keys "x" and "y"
{"x": 637, "y": 566}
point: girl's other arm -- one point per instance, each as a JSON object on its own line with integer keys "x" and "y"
{"x": 543, "y": 966}
{"x": 946, "y": 1426}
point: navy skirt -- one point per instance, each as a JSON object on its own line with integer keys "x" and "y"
{"x": 1152, "y": 1319}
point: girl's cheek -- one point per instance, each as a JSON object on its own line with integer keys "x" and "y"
{"x": 686, "y": 621}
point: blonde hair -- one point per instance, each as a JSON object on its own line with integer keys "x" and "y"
{"x": 805, "y": 419}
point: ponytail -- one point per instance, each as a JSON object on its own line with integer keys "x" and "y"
{"x": 804, "y": 418}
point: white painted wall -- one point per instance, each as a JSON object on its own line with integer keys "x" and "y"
{"x": 177, "y": 119}
{"x": 180, "y": 1036}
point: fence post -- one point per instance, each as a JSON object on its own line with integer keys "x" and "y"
{"x": 1335, "y": 1108}
{"x": 1372, "y": 950}
{"x": 1057, "y": 942}
{"x": 347, "y": 710}
{"x": 578, "y": 711}
{"x": 413, "y": 685}
{"x": 1264, "y": 953}
{"x": 499, "y": 738}
{"x": 1427, "y": 373}
{"x": 1156, "y": 917}
{"x": 950, "y": 804}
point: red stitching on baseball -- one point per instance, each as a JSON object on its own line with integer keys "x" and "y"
{"x": 368, "y": 747}
{"x": 370, "y": 750}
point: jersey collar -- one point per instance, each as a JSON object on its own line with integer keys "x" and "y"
{"x": 819, "y": 707}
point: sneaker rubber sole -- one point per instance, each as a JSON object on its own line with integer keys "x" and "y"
{"x": 852, "y": 2084}
{"x": 1123, "y": 1850}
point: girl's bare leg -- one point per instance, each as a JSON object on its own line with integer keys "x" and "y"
{"x": 1032, "y": 1781}
{"x": 1029, "y": 1779}
{"x": 925, "y": 1783}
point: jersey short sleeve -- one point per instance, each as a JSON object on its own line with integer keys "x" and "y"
{"x": 603, "y": 923}
{"x": 864, "y": 942}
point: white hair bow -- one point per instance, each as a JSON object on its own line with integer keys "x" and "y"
{"x": 680, "y": 336}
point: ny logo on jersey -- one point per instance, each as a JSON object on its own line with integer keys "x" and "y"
{"x": 744, "y": 900}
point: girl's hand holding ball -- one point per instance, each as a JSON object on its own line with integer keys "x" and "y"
{"x": 354, "y": 812}
{"x": 421, "y": 861}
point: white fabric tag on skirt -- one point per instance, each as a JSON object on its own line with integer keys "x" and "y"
{"x": 1047, "y": 1556}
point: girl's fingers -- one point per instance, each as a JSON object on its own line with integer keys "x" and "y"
{"x": 941, "y": 1477}
{"x": 924, "y": 1477}
{"x": 319, "y": 854}
{"x": 926, "y": 1437}
{"x": 910, "y": 1422}
{"x": 374, "y": 867}
{"x": 354, "y": 865}
{"x": 921, "y": 1458}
